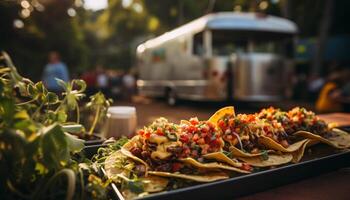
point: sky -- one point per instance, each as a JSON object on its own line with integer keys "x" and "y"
{"x": 95, "y": 4}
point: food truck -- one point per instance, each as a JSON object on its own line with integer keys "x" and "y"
{"x": 220, "y": 56}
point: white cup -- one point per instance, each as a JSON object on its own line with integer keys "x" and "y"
{"x": 121, "y": 121}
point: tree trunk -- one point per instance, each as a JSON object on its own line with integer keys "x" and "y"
{"x": 322, "y": 37}
{"x": 286, "y": 6}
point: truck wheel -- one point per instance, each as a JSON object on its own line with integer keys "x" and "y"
{"x": 171, "y": 97}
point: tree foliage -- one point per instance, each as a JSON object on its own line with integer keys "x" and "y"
{"x": 110, "y": 36}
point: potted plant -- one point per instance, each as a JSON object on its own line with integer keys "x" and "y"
{"x": 38, "y": 156}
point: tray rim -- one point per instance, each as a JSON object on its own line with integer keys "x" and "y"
{"x": 203, "y": 186}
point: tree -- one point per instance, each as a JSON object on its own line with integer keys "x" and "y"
{"x": 45, "y": 30}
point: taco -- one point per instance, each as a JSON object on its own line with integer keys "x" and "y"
{"x": 215, "y": 165}
{"x": 335, "y": 138}
{"x": 297, "y": 119}
{"x": 202, "y": 141}
{"x": 183, "y": 151}
{"x": 269, "y": 160}
{"x": 204, "y": 178}
{"x": 243, "y": 134}
{"x": 199, "y": 138}
{"x": 157, "y": 145}
{"x": 229, "y": 110}
{"x": 303, "y": 123}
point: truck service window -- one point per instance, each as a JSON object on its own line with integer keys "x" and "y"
{"x": 198, "y": 48}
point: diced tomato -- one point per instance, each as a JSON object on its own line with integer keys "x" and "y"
{"x": 204, "y": 134}
{"x": 195, "y": 137}
{"x": 147, "y": 135}
{"x": 176, "y": 166}
{"x": 211, "y": 125}
{"x": 160, "y": 131}
{"x": 251, "y": 118}
{"x": 194, "y": 121}
{"x": 222, "y": 124}
{"x": 231, "y": 122}
{"x": 201, "y": 141}
{"x": 192, "y": 129}
{"x": 246, "y": 167}
{"x": 204, "y": 129}
{"x": 141, "y": 132}
{"x": 184, "y": 138}
{"x": 215, "y": 143}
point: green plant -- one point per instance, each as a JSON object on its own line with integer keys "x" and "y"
{"x": 36, "y": 146}
{"x": 99, "y": 104}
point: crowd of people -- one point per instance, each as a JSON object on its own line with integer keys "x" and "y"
{"x": 331, "y": 93}
{"x": 114, "y": 84}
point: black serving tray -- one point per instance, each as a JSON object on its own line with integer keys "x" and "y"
{"x": 317, "y": 160}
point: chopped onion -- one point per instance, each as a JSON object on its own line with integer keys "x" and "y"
{"x": 239, "y": 139}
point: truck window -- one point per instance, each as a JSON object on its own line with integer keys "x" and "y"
{"x": 198, "y": 48}
{"x": 226, "y": 42}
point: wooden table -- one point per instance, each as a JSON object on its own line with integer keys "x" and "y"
{"x": 342, "y": 119}
{"x": 334, "y": 185}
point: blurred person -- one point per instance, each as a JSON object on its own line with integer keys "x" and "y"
{"x": 129, "y": 83}
{"x": 332, "y": 95}
{"x": 102, "y": 80}
{"x": 314, "y": 86}
{"x": 342, "y": 95}
{"x": 90, "y": 78}
{"x": 54, "y": 69}
{"x": 115, "y": 82}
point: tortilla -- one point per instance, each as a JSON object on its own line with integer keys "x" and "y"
{"x": 205, "y": 178}
{"x": 270, "y": 143}
{"x": 130, "y": 155}
{"x": 239, "y": 153}
{"x": 212, "y": 165}
{"x": 133, "y": 142}
{"x": 219, "y": 156}
{"x": 113, "y": 171}
{"x": 298, "y": 154}
{"x": 154, "y": 183}
{"x": 220, "y": 113}
{"x": 340, "y": 139}
{"x": 272, "y": 160}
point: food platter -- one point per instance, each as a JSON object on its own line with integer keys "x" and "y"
{"x": 321, "y": 159}
{"x": 226, "y": 156}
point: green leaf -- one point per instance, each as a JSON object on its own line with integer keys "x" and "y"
{"x": 51, "y": 98}
{"x": 264, "y": 155}
{"x": 80, "y": 83}
{"x": 7, "y": 110}
{"x": 73, "y": 128}
{"x": 32, "y": 91}
{"x": 135, "y": 186}
{"x": 54, "y": 147}
{"x": 40, "y": 87}
{"x": 61, "y": 116}
{"x": 74, "y": 144}
{"x": 71, "y": 101}
{"x": 63, "y": 84}
{"x": 22, "y": 115}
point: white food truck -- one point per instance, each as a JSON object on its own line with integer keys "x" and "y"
{"x": 221, "y": 56}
